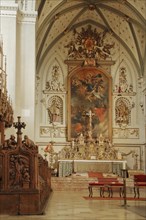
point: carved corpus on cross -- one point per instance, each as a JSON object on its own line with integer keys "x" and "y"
{"x": 19, "y": 125}
{"x": 90, "y": 115}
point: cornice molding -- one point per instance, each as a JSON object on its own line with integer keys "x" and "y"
{"x": 10, "y": 10}
{"x": 27, "y": 17}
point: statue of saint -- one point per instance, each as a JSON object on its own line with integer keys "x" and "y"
{"x": 54, "y": 110}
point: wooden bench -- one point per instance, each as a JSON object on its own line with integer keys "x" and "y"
{"x": 106, "y": 184}
{"x": 139, "y": 182}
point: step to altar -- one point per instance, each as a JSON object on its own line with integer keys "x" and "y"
{"x": 78, "y": 182}
{"x": 74, "y": 183}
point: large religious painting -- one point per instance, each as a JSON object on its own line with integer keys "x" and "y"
{"x": 89, "y": 103}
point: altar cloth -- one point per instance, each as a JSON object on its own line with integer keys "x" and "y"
{"x": 67, "y": 167}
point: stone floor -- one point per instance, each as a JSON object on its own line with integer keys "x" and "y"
{"x": 70, "y": 205}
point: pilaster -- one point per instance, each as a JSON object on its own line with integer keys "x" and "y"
{"x": 25, "y": 72}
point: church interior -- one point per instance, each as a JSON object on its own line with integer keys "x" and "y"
{"x": 73, "y": 109}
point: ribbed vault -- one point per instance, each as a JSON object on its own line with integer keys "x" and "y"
{"x": 125, "y": 21}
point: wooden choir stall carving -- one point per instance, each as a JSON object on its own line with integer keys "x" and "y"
{"x": 6, "y": 111}
{"x": 25, "y": 178}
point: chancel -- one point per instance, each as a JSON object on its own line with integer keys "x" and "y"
{"x": 72, "y": 109}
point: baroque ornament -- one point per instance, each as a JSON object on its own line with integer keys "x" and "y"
{"x": 89, "y": 44}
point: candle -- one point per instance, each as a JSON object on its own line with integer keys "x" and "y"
{"x": 72, "y": 143}
{"x": 124, "y": 166}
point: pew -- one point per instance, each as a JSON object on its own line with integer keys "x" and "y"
{"x": 139, "y": 182}
{"x": 106, "y": 184}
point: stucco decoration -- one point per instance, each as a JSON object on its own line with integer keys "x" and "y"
{"x": 90, "y": 44}
{"x": 124, "y": 99}
{"x": 131, "y": 133}
{"x": 55, "y": 80}
{"x": 52, "y": 131}
{"x": 37, "y": 85}
{"x": 123, "y": 111}
{"x": 124, "y": 84}
{"x": 53, "y": 95}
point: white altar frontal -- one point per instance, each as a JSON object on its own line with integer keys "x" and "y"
{"x": 67, "y": 167}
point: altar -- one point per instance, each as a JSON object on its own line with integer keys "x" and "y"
{"x": 67, "y": 167}
{"x": 90, "y": 154}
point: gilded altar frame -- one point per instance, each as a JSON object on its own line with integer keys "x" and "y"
{"x": 89, "y": 89}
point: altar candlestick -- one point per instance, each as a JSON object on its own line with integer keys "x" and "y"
{"x": 73, "y": 143}
{"x": 124, "y": 165}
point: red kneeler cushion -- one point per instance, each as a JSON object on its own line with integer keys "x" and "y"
{"x": 95, "y": 174}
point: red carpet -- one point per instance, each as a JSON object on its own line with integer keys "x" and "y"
{"x": 114, "y": 198}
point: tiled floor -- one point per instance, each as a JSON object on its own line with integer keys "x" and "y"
{"x": 72, "y": 206}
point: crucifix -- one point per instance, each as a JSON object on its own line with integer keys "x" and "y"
{"x": 19, "y": 125}
{"x": 90, "y": 115}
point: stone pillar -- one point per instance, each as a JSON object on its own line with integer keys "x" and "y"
{"x": 8, "y": 14}
{"x": 17, "y": 27}
{"x": 8, "y": 17}
{"x": 25, "y": 71}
